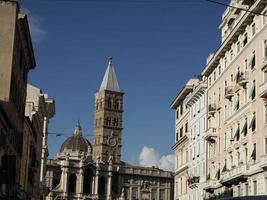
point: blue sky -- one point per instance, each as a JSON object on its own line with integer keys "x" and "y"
{"x": 156, "y": 47}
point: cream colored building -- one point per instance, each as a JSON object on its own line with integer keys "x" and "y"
{"x": 181, "y": 146}
{"x": 237, "y": 110}
{"x": 196, "y": 103}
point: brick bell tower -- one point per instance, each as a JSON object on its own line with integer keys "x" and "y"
{"x": 108, "y": 118}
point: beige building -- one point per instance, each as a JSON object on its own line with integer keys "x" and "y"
{"x": 181, "y": 146}
{"x": 38, "y": 110}
{"x": 237, "y": 110}
{"x": 16, "y": 60}
{"x": 82, "y": 170}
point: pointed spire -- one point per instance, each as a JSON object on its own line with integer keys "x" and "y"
{"x": 109, "y": 81}
{"x": 78, "y": 129}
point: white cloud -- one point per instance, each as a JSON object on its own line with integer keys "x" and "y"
{"x": 149, "y": 157}
{"x": 37, "y": 32}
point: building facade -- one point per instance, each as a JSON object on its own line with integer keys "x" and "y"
{"x": 16, "y": 60}
{"x": 237, "y": 143}
{"x": 181, "y": 146}
{"x": 39, "y": 109}
{"x": 82, "y": 170}
{"x": 196, "y": 103}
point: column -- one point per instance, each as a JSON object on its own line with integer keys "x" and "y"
{"x": 79, "y": 184}
{"x": 96, "y": 178}
{"x": 109, "y": 197}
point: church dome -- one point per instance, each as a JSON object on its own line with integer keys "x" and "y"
{"x": 76, "y": 143}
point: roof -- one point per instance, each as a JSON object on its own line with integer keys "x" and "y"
{"x": 76, "y": 143}
{"x": 109, "y": 81}
{"x": 188, "y": 87}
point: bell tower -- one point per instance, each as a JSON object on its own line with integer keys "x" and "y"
{"x": 108, "y": 118}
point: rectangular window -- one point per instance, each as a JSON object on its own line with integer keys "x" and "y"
{"x": 220, "y": 70}
{"x": 186, "y": 127}
{"x": 265, "y": 17}
{"x": 266, "y": 146}
{"x": 265, "y": 49}
{"x": 238, "y": 191}
{"x": 253, "y": 29}
{"x": 134, "y": 194}
{"x": 255, "y": 187}
{"x": 265, "y": 75}
{"x": 252, "y": 62}
{"x": 154, "y": 193}
{"x": 214, "y": 76}
{"x": 181, "y": 132}
{"x": 162, "y": 194}
{"x": 246, "y": 189}
{"x": 238, "y": 47}
{"x": 246, "y": 155}
{"x": 177, "y": 114}
{"x": 245, "y": 41}
{"x": 253, "y": 90}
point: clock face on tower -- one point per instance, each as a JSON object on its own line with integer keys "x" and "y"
{"x": 112, "y": 141}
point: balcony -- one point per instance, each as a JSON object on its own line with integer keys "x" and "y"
{"x": 242, "y": 79}
{"x": 193, "y": 181}
{"x": 210, "y": 185}
{"x": 212, "y": 108}
{"x": 263, "y": 90}
{"x": 211, "y": 135}
{"x": 234, "y": 176}
{"x": 229, "y": 92}
{"x": 264, "y": 162}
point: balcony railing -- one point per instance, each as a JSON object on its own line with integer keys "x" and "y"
{"x": 263, "y": 90}
{"x": 242, "y": 79}
{"x": 229, "y": 92}
{"x": 211, "y": 134}
{"x": 234, "y": 175}
{"x": 212, "y": 108}
{"x": 193, "y": 181}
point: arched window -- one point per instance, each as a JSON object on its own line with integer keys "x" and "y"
{"x": 87, "y": 181}
{"x": 102, "y": 185}
{"x": 72, "y": 183}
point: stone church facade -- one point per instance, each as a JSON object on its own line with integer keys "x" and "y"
{"x": 84, "y": 171}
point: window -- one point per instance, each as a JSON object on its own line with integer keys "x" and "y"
{"x": 245, "y": 41}
{"x": 245, "y": 127}
{"x": 238, "y": 191}
{"x": 253, "y": 90}
{"x": 265, "y": 17}
{"x": 177, "y": 114}
{"x": 265, "y": 75}
{"x": 265, "y": 49}
{"x": 210, "y": 81}
{"x": 252, "y": 62}
{"x": 181, "y": 132}
{"x": 266, "y": 146}
{"x": 246, "y": 64}
{"x": 238, "y": 47}
{"x": 225, "y": 139}
{"x": 246, "y": 155}
{"x": 220, "y": 70}
{"x": 246, "y": 189}
{"x": 154, "y": 192}
{"x": 231, "y": 55}
{"x": 253, "y": 123}
{"x": 214, "y": 76}
{"x": 255, "y": 187}
{"x": 134, "y": 194}
{"x": 238, "y": 158}
{"x": 253, "y": 29}
{"x": 225, "y": 62}
{"x": 186, "y": 127}
{"x": 161, "y": 194}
